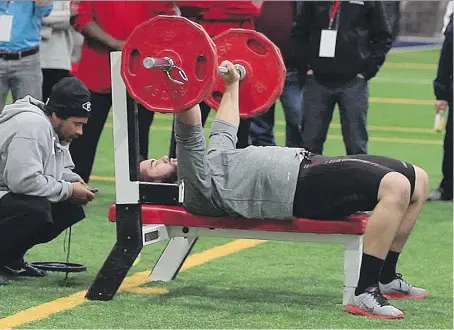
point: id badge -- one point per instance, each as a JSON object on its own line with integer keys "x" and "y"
{"x": 328, "y": 43}
{"x": 6, "y": 24}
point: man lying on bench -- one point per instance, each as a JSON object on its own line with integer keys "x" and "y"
{"x": 282, "y": 183}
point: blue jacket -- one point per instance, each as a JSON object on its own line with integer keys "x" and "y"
{"x": 27, "y": 17}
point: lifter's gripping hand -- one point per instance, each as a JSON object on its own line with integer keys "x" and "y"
{"x": 81, "y": 194}
{"x": 231, "y": 77}
{"x": 229, "y": 107}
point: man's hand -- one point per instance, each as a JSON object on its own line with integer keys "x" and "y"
{"x": 232, "y": 76}
{"x": 43, "y": 2}
{"x": 440, "y": 105}
{"x": 81, "y": 181}
{"x": 116, "y": 44}
{"x": 81, "y": 194}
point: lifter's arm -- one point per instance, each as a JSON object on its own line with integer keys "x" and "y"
{"x": 224, "y": 130}
{"x": 190, "y": 117}
{"x": 193, "y": 166}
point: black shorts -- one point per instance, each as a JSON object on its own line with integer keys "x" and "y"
{"x": 335, "y": 187}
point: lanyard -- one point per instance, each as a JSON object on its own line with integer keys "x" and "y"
{"x": 334, "y": 9}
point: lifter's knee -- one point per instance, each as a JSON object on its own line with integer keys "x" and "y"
{"x": 421, "y": 185}
{"x": 395, "y": 188}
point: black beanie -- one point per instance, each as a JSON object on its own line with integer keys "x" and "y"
{"x": 69, "y": 98}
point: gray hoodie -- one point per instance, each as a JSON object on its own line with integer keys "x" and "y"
{"x": 32, "y": 160}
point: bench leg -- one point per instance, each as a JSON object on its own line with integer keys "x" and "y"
{"x": 172, "y": 258}
{"x": 352, "y": 264}
{"x": 122, "y": 255}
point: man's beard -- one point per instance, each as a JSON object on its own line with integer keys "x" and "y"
{"x": 64, "y": 139}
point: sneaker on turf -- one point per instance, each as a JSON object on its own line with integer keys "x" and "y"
{"x": 22, "y": 268}
{"x": 3, "y": 280}
{"x": 399, "y": 288}
{"x": 439, "y": 194}
{"x": 371, "y": 303}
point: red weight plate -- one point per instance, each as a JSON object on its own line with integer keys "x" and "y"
{"x": 191, "y": 49}
{"x": 265, "y": 70}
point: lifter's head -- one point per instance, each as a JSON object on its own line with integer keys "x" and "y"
{"x": 68, "y": 108}
{"x": 163, "y": 169}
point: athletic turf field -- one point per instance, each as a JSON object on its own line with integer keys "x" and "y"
{"x": 255, "y": 284}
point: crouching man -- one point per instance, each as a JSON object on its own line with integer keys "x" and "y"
{"x": 40, "y": 195}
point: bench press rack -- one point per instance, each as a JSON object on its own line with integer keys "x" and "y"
{"x": 146, "y": 213}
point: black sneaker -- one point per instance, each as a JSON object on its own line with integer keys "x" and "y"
{"x": 22, "y": 268}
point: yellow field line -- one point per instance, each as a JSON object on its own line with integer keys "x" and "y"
{"x": 423, "y": 66}
{"x": 47, "y": 309}
{"x": 400, "y": 101}
{"x": 102, "y": 178}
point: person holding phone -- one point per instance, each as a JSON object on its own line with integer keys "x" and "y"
{"x": 40, "y": 195}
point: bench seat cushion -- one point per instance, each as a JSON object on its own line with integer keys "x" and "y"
{"x": 178, "y": 216}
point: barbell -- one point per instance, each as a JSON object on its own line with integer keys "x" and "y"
{"x": 170, "y": 64}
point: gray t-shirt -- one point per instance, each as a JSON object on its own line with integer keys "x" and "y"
{"x": 255, "y": 182}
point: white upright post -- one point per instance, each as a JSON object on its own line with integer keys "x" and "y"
{"x": 126, "y": 192}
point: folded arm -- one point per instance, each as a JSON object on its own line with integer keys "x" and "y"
{"x": 83, "y": 20}
{"x": 58, "y": 18}
{"x": 43, "y": 8}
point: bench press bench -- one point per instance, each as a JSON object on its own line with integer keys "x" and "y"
{"x": 145, "y": 213}
{"x": 182, "y": 229}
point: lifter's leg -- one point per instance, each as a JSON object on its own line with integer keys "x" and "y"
{"x": 391, "y": 283}
{"x": 393, "y": 199}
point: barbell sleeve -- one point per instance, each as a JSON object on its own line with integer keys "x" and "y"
{"x": 153, "y": 62}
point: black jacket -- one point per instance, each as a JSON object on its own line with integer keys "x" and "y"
{"x": 443, "y": 82}
{"x": 363, "y": 40}
{"x": 275, "y": 21}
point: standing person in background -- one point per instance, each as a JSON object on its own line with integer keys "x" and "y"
{"x": 392, "y": 11}
{"x": 443, "y": 92}
{"x": 20, "y": 67}
{"x": 56, "y": 46}
{"x": 339, "y": 47}
{"x": 216, "y": 17}
{"x": 106, "y": 26}
{"x": 447, "y": 15}
{"x": 275, "y": 21}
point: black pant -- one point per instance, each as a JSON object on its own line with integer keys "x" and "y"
{"x": 26, "y": 221}
{"x": 50, "y": 78}
{"x": 334, "y": 187}
{"x": 319, "y": 101}
{"x": 447, "y": 169}
{"x": 243, "y": 131}
{"x": 83, "y": 149}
